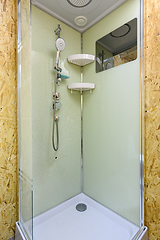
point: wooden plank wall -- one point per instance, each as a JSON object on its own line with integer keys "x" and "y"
{"x": 152, "y": 118}
{"x": 8, "y": 119}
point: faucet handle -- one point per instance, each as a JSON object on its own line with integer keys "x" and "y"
{"x": 56, "y": 95}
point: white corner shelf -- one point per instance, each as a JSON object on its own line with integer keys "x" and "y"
{"x": 81, "y": 86}
{"x": 81, "y": 59}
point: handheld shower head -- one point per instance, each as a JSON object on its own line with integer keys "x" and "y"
{"x": 60, "y": 45}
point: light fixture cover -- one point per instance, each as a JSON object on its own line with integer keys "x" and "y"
{"x": 79, "y": 3}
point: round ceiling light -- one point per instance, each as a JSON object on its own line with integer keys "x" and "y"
{"x": 79, "y": 3}
{"x": 80, "y": 20}
{"x": 121, "y": 32}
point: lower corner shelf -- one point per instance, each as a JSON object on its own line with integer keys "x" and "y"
{"x": 81, "y": 86}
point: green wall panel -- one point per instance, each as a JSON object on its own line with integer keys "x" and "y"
{"x": 112, "y": 124}
{"x": 54, "y": 181}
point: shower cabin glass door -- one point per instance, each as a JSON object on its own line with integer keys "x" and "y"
{"x": 106, "y": 122}
{"x": 25, "y": 119}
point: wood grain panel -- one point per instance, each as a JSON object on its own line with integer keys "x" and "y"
{"x": 8, "y": 119}
{"x": 152, "y": 118}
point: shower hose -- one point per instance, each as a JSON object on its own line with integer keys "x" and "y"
{"x": 55, "y": 121}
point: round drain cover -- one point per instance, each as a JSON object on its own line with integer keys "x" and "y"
{"x": 81, "y": 207}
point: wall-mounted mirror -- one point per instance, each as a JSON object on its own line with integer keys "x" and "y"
{"x": 117, "y": 47}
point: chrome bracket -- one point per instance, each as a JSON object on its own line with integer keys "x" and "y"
{"x": 57, "y": 105}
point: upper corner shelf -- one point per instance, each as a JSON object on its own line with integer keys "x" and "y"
{"x": 81, "y": 59}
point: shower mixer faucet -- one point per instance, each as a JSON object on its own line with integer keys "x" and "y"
{"x": 56, "y": 95}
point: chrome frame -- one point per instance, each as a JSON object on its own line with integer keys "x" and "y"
{"x": 141, "y": 113}
{"x": 81, "y": 120}
{"x": 19, "y": 96}
{"x": 142, "y": 234}
{"x": 142, "y": 227}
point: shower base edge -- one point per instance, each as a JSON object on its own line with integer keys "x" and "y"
{"x": 66, "y": 216}
{"x": 19, "y": 234}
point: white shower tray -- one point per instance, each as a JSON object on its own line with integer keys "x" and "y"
{"x": 81, "y": 59}
{"x": 81, "y": 86}
{"x": 97, "y": 222}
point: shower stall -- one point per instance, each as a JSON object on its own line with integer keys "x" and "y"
{"x": 80, "y": 121}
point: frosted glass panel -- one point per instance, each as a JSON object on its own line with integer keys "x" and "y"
{"x": 56, "y": 175}
{"x": 25, "y": 119}
{"x": 112, "y": 124}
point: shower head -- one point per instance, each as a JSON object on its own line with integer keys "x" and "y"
{"x": 60, "y": 44}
